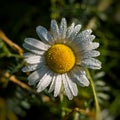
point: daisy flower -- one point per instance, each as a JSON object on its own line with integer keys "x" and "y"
{"x": 59, "y": 58}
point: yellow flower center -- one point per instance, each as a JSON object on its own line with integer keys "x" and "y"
{"x": 60, "y": 58}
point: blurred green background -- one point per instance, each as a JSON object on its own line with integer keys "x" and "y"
{"x": 18, "y": 19}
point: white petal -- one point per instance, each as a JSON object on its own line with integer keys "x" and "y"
{"x": 89, "y": 54}
{"x": 72, "y": 86}
{"x": 85, "y": 33}
{"x": 55, "y": 29}
{"x": 52, "y": 86}
{"x": 44, "y": 35}
{"x": 82, "y": 80}
{"x": 87, "y": 46}
{"x": 66, "y": 87}
{"x": 70, "y": 30}
{"x": 32, "y": 67}
{"x": 75, "y": 32}
{"x": 89, "y": 38}
{"x": 36, "y": 43}
{"x": 28, "y": 54}
{"x": 33, "y": 49}
{"x": 34, "y": 59}
{"x": 44, "y": 81}
{"x": 76, "y": 69}
{"x": 78, "y": 75}
{"x": 91, "y": 63}
{"x": 34, "y": 77}
{"x": 58, "y": 83}
{"x": 63, "y": 28}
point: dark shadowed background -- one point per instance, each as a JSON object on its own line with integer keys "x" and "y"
{"x": 19, "y": 18}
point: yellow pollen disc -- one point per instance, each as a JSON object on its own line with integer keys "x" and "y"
{"x": 60, "y": 58}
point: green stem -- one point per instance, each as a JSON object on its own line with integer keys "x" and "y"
{"x": 62, "y": 103}
{"x": 98, "y": 111}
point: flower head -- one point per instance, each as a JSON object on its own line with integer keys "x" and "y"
{"x": 60, "y": 57}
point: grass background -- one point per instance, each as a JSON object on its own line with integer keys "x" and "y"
{"x": 18, "y": 20}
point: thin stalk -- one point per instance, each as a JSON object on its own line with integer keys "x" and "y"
{"x": 62, "y": 103}
{"x": 98, "y": 111}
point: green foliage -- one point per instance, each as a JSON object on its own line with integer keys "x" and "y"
{"x": 18, "y": 20}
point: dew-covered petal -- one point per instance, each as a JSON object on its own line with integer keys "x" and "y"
{"x": 75, "y": 32}
{"x": 52, "y": 86}
{"x": 44, "y": 35}
{"x": 78, "y": 75}
{"x": 89, "y": 54}
{"x": 34, "y": 59}
{"x": 84, "y": 33}
{"x": 67, "y": 88}
{"x": 33, "y": 49}
{"x": 34, "y": 77}
{"x": 72, "y": 85}
{"x": 87, "y": 46}
{"x": 28, "y": 54}
{"x": 55, "y": 29}
{"x": 86, "y": 55}
{"x": 58, "y": 84}
{"x": 91, "y": 63}
{"x": 32, "y": 67}
{"x": 70, "y": 30}
{"x": 36, "y": 43}
{"x": 63, "y": 28}
{"x": 82, "y": 80}
{"x": 89, "y": 38}
{"x": 44, "y": 81}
